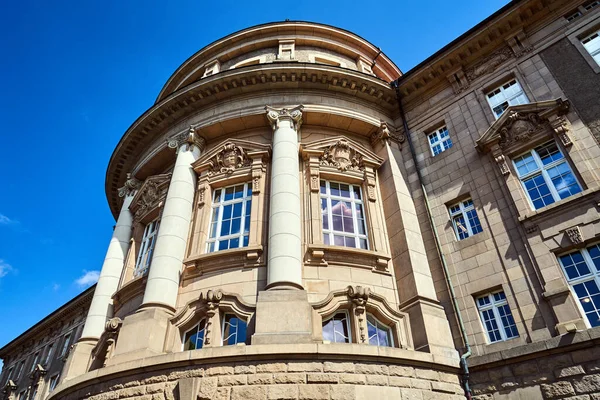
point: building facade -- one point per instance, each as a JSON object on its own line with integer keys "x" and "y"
{"x": 297, "y": 219}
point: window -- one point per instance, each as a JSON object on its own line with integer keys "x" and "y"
{"x": 509, "y": 94}
{"x": 546, "y": 175}
{"x": 53, "y": 382}
{"x": 20, "y": 370}
{"x": 22, "y": 395}
{"x": 336, "y": 329}
{"x": 591, "y": 4}
{"x": 575, "y": 14}
{"x": 496, "y": 317}
{"x": 379, "y": 334}
{"x": 9, "y": 375}
{"x": 592, "y": 45}
{"x": 194, "y": 338}
{"x": 230, "y": 222}
{"x": 582, "y": 269}
{"x": 48, "y": 354}
{"x": 146, "y": 249}
{"x": 234, "y": 330}
{"x": 464, "y": 219}
{"x": 66, "y": 344}
{"x": 33, "y": 393}
{"x": 343, "y": 216}
{"x": 439, "y": 141}
{"x": 35, "y": 361}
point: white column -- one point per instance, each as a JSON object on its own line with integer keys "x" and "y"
{"x": 101, "y": 307}
{"x": 284, "y": 268}
{"x": 171, "y": 241}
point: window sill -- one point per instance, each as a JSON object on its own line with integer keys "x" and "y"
{"x": 552, "y": 209}
{"x": 244, "y": 257}
{"x": 130, "y": 290}
{"x": 324, "y": 255}
{"x": 471, "y": 240}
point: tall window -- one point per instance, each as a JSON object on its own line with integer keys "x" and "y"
{"x": 439, "y": 141}
{"x": 343, "y": 215}
{"x": 464, "y": 219}
{"x": 146, "y": 249}
{"x": 230, "y": 222}
{"x": 19, "y": 370}
{"x": 194, "y": 338}
{"x": 234, "y": 330}
{"x": 509, "y": 94}
{"x": 66, "y": 344}
{"x": 582, "y": 269}
{"x": 34, "y": 392}
{"x": 36, "y": 358}
{"x": 48, "y": 358}
{"x": 53, "y": 382}
{"x": 379, "y": 333}
{"x": 592, "y": 45}
{"x": 336, "y": 329}
{"x": 496, "y": 317}
{"x": 546, "y": 175}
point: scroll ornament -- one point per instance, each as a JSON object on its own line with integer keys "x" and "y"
{"x": 343, "y": 157}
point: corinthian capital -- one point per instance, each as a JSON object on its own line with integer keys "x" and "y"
{"x": 130, "y": 186}
{"x": 274, "y": 115}
{"x": 189, "y": 138}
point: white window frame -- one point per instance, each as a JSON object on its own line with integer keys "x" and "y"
{"x": 346, "y": 323}
{"x": 66, "y": 343}
{"x": 494, "y": 305}
{"x": 444, "y": 143}
{"x": 223, "y": 338}
{"x": 499, "y": 93}
{"x": 330, "y": 232}
{"x": 53, "y": 382}
{"x": 147, "y": 245}
{"x": 593, "y": 275}
{"x": 592, "y": 40}
{"x": 462, "y": 211}
{"x": 220, "y": 206}
{"x": 191, "y": 329}
{"x": 543, "y": 169}
{"x": 379, "y": 326}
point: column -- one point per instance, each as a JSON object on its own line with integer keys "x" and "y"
{"x": 284, "y": 267}
{"x": 171, "y": 241}
{"x": 101, "y": 307}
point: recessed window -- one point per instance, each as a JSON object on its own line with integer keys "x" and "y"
{"x": 20, "y": 370}
{"x": 33, "y": 393}
{"x": 464, "y": 219}
{"x": 234, "y": 330}
{"x": 582, "y": 269}
{"x": 379, "y": 333}
{"x": 343, "y": 215}
{"x": 48, "y": 357}
{"x": 337, "y": 328}
{"x": 53, "y": 382}
{"x": 591, "y": 4}
{"x": 35, "y": 361}
{"x": 66, "y": 344}
{"x": 592, "y": 45}
{"x": 439, "y": 141}
{"x": 546, "y": 176}
{"x": 146, "y": 249}
{"x": 230, "y": 222}
{"x": 575, "y": 14}
{"x": 9, "y": 375}
{"x": 194, "y": 338}
{"x": 22, "y": 395}
{"x": 508, "y": 94}
{"x": 496, "y": 317}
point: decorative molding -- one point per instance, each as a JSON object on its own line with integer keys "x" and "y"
{"x": 500, "y": 160}
{"x": 274, "y": 115}
{"x": 342, "y": 156}
{"x": 385, "y": 133}
{"x": 574, "y": 234}
{"x": 359, "y": 296}
{"x": 561, "y": 127}
{"x": 519, "y": 127}
{"x": 212, "y": 298}
{"x": 325, "y": 255}
{"x": 243, "y": 257}
{"x": 228, "y": 159}
{"x": 489, "y": 63}
{"x": 105, "y": 347}
{"x": 130, "y": 186}
{"x": 188, "y": 138}
{"x": 150, "y": 195}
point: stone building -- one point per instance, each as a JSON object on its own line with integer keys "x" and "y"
{"x": 297, "y": 219}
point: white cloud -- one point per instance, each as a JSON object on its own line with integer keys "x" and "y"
{"x": 55, "y": 286}
{"x": 88, "y": 278}
{"x": 4, "y": 220}
{"x": 5, "y": 268}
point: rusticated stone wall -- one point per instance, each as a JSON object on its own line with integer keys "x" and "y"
{"x": 278, "y": 380}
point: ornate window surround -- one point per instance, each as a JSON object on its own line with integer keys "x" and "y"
{"x": 359, "y": 301}
{"x": 230, "y": 162}
{"x": 341, "y": 159}
{"x": 521, "y": 128}
{"x": 212, "y": 305}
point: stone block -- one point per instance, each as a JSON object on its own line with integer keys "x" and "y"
{"x": 305, "y": 367}
{"x": 222, "y": 393}
{"x": 313, "y": 392}
{"x": 282, "y": 392}
{"x": 377, "y": 392}
{"x": 232, "y": 380}
{"x": 569, "y": 371}
{"x": 155, "y": 388}
{"x": 207, "y": 388}
{"x": 411, "y": 394}
{"x": 244, "y": 369}
{"x": 588, "y": 384}
{"x": 524, "y": 369}
{"x": 338, "y": 367}
{"x": 377, "y": 380}
{"x": 427, "y": 374}
{"x": 342, "y": 392}
{"x": 397, "y": 370}
{"x": 260, "y": 379}
{"x": 249, "y": 393}
{"x": 271, "y": 367}
{"x": 447, "y": 377}
{"x": 360, "y": 379}
{"x": 420, "y": 384}
{"x": 446, "y": 387}
{"x": 221, "y": 370}
{"x": 322, "y": 378}
{"x": 557, "y": 389}
{"x": 374, "y": 369}
{"x": 400, "y": 381}
{"x": 290, "y": 378}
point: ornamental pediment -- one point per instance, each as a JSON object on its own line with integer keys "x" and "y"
{"x": 519, "y": 124}
{"x": 230, "y": 155}
{"x": 150, "y": 195}
{"x": 341, "y": 153}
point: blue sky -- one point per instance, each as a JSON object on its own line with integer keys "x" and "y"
{"x": 77, "y": 74}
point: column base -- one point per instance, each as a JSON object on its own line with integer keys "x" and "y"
{"x": 281, "y": 285}
{"x": 142, "y": 335}
{"x": 283, "y": 316}
{"x": 78, "y": 362}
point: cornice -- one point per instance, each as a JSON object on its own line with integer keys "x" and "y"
{"x": 263, "y": 78}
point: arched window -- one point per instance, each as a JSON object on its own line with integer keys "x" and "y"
{"x": 234, "y": 330}
{"x": 337, "y": 328}
{"x": 379, "y": 333}
{"x": 194, "y": 338}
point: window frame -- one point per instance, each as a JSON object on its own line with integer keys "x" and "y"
{"x": 54, "y": 378}
{"x": 542, "y": 170}
{"x": 593, "y": 275}
{"x": 66, "y": 343}
{"x": 34, "y": 363}
{"x": 196, "y": 325}
{"x": 596, "y": 53}
{"x": 378, "y": 323}
{"x": 147, "y": 246}
{"x": 224, "y": 323}
{"x": 330, "y": 232}
{"x": 507, "y": 99}
{"x": 462, "y": 211}
{"x": 346, "y": 323}
{"x": 494, "y": 305}
{"x": 439, "y": 141}
{"x": 48, "y": 357}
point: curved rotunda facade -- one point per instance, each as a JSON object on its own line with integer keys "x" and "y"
{"x": 297, "y": 219}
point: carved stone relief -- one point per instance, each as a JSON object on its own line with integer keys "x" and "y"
{"x": 343, "y": 157}
{"x": 519, "y": 126}
{"x": 228, "y": 159}
{"x": 574, "y": 234}
{"x": 489, "y": 64}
